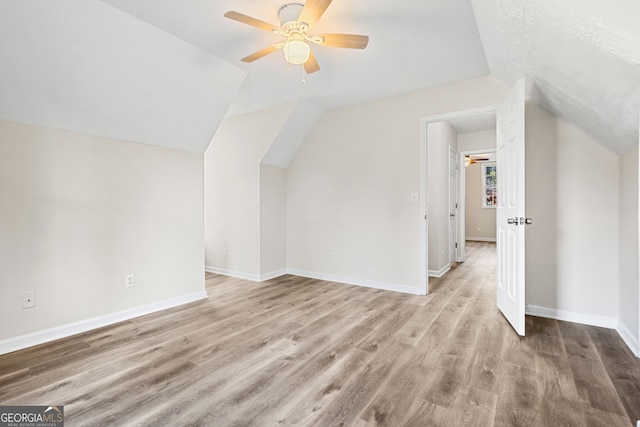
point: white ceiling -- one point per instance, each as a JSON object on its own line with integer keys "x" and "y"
{"x": 166, "y": 72}
{"x": 477, "y": 123}
{"x": 581, "y": 59}
{"x": 413, "y": 44}
{"x": 82, "y": 65}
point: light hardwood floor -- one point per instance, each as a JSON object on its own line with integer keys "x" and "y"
{"x": 308, "y": 352}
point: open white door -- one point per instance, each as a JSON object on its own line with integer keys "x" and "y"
{"x": 510, "y": 215}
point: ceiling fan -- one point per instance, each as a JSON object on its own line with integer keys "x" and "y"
{"x": 476, "y": 158}
{"x": 295, "y": 22}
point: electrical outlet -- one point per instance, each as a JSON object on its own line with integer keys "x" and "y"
{"x": 226, "y": 252}
{"x": 334, "y": 256}
{"x": 29, "y": 299}
{"x": 129, "y": 281}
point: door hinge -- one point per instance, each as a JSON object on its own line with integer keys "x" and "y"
{"x": 456, "y": 245}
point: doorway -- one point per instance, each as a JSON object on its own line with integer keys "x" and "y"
{"x": 509, "y": 119}
{"x": 477, "y": 214}
{"x": 433, "y": 217}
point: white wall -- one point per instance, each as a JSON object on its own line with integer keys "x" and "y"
{"x": 541, "y": 181}
{"x": 572, "y": 196}
{"x": 440, "y": 139}
{"x": 232, "y": 187}
{"x": 79, "y": 212}
{"x": 480, "y": 140}
{"x": 349, "y": 187}
{"x": 480, "y": 222}
{"x": 629, "y": 299}
{"x": 273, "y": 221}
{"x": 587, "y": 224}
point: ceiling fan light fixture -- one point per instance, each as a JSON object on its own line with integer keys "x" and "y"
{"x": 296, "y": 20}
{"x": 296, "y": 52}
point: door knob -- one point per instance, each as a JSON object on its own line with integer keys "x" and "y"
{"x": 512, "y": 221}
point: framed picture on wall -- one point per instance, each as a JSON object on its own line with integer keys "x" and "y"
{"x": 489, "y": 182}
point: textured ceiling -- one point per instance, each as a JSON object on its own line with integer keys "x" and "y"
{"x": 166, "y": 72}
{"x": 580, "y": 58}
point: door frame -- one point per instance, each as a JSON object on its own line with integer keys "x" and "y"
{"x": 454, "y": 193}
{"x": 462, "y": 201}
{"x": 424, "y": 195}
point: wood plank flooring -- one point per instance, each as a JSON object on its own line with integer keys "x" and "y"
{"x": 295, "y": 351}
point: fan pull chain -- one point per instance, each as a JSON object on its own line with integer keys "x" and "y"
{"x": 302, "y": 79}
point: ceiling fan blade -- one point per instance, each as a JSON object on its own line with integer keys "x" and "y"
{"x": 245, "y": 19}
{"x": 352, "y": 41}
{"x": 312, "y": 11}
{"x": 311, "y": 66}
{"x": 259, "y": 54}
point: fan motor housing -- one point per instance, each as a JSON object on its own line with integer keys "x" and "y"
{"x": 289, "y": 13}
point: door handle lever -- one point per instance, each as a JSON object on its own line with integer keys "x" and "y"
{"x": 520, "y": 221}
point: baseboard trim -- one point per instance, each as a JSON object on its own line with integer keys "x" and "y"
{"x": 439, "y": 273}
{"x": 569, "y": 316}
{"x": 481, "y": 239}
{"x": 628, "y": 338}
{"x": 232, "y": 273}
{"x": 64, "y": 331}
{"x": 273, "y": 274}
{"x": 406, "y": 289}
{"x": 246, "y": 276}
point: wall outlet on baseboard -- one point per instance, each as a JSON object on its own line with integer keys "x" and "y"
{"x": 225, "y": 252}
{"x": 129, "y": 281}
{"x": 29, "y": 299}
{"x": 334, "y": 256}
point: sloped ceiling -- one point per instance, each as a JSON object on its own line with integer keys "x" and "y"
{"x": 581, "y": 59}
{"x": 165, "y": 72}
{"x": 413, "y": 44}
{"x": 293, "y": 134}
{"x": 85, "y": 66}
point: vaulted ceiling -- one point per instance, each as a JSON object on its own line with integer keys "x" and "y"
{"x": 580, "y": 58}
{"x": 166, "y": 72}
